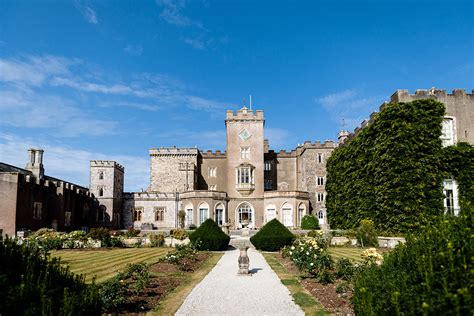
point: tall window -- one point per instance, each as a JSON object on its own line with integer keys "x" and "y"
{"x": 301, "y": 213}
{"x": 219, "y": 215}
{"x": 203, "y": 213}
{"x": 244, "y": 175}
{"x": 189, "y": 215}
{"x": 321, "y": 217}
{"x": 320, "y": 181}
{"x": 320, "y": 197}
{"x": 244, "y": 152}
{"x": 159, "y": 214}
{"x": 245, "y": 214}
{"x": 101, "y": 213}
{"x": 268, "y": 184}
{"x": 101, "y": 191}
{"x": 37, "y": 208}
{"x": 212, "y": 172}
{"x": 101, "y": 175}
{"x": 137, "y": 214}
{"x": 451, "y": 199}
{"x": 447, "y": 132}
{"x": 287, "y": 214}
{"x": 268, "y": 166}
{"x": 320, "y": 158}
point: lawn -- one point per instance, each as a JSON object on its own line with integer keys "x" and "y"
{"x": 105, "y": 263}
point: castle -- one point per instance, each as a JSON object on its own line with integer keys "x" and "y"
{"x": 247, "y": 185}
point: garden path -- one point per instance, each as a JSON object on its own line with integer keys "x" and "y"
{"x": 223, "y": 292}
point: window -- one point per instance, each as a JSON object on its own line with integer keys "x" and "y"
{"x": 101, "y": 191}
{"x": 101, "y": 175}
{"x": 67, "y": 219}
{"x": 160, "y": 214}
{"x": 287, "y": 214}
{"x": 447, "y": 132}
{"x": 37, "y": 208}
{"x": 213, "y": 187}
{"x": 267, "y": 166}
{"x": 245, "y": 215}
{"x": 320, "y": 181}
{"x": 101, "y": 213}
{"x": 219, "y": 215}
{"x": 301, "y": 213}
{"x": 244, "y": 152}
{"x": 137, "y": 214}
{"x": 268, "y": 184}
{"x": 270, "y": 212}
{"x": 203, "y": 212}
{"x": 189, "y": 215}
{"x": 212, "y": 172}
{"x": 244, "y": 175}
{"x": 321, "y": 217}
{"x": 451, "y": 198}
{"x": 320, "y": 158}
{"x": 320, "y": 197}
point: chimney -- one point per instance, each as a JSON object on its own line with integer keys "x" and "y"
{"x": 35, "y": 162}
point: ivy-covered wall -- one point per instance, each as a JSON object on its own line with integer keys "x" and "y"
{"x": 391, "y": 171}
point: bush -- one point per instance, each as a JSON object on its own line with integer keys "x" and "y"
{"x": 100, "y": 233}
{"x": 156, "y": 240}
{"x": 31, "y": 284}
{"x": 192, "y": 227}
{"x": 366, "y": 234}
{"x": 209, "y": 236}
{"x": 182, "y": 255}
{"x": 345, "y": 269}
{"x": 272, "y": 237}
{"x": 309, "y": 222}
{"x": 179, "y": 234}
{"x": 431, "y": 274}
{"x": 132, "y": 232}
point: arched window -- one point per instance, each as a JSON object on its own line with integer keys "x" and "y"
{"x": 101, "y": 191}
{"x": 270, "y": 212}
{"x": 245, "y": 215}
{"x": 101, "y": 175}
{"x": 159, "y": 214}
{"x": 321, "y": 217}
{"x": 219, "y": 214}
{"x": 301, "y": 212}
{"x": 137, "y": 214}
{"x": 189, "y": 214}
{"x": 287, "y": 214}
{"x": 101, "y": 213}
{"x": 203, "y": 212}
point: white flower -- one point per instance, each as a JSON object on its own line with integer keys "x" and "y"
{"x": 292, "y": 247}
{"x": 311, "y": 264}
{"x": 291, "y": 252}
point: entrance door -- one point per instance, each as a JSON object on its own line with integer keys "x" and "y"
{"x": 245, "y": 216}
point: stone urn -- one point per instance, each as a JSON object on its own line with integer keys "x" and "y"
{"x": 244, "y": 261}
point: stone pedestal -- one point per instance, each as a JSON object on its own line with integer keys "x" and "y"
{"x": 244, "y": 262}
{"x": 245, "y": 232}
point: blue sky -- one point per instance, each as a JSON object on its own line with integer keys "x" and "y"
{"x": 110, "y": 79}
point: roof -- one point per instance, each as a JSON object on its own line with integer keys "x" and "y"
{"x": 9, "y": 168}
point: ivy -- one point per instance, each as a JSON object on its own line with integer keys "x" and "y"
{"x": 391, "y": 172}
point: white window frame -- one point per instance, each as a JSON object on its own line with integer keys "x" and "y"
{"x": 189, "y": 214}
{"x": 219, "y": 207}
{"x": 267, "y": 166}
{"x": 450, "y": 185}
{"x": 448, "y": 131}
{"x": 212, "y": 171}
{"x": 203, "y": 212}
{"x": 320, "y": 180}
{"x": 245, "y": 152}
{"x": 287, "y": 214}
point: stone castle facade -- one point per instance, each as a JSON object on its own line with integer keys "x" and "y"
{"x": 247, "y": 184}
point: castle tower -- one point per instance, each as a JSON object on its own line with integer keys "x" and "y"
{"x": 245, "y": 166}
{"x": 106, "y": 183}
{"x": 35, "y": 162}
{"x": 342, "y": 136}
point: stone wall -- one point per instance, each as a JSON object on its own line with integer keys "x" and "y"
{"x": 216, "y": 160}
{"x": 173, "y": 169}
{"x": 149, "y": 203}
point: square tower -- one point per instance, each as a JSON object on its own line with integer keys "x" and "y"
{"x": 106, "y": 183}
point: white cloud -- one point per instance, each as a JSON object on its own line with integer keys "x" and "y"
{"x": 172, "y": 13}
{"x": 196, "y": 43}
{"x": 87, "y": 12}
{"x": 350, "y": 106}
{"x": 72, "y": 164}
{"x": 277, "y": 137}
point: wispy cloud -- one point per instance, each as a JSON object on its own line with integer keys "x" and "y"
{"x": 72, "y": 164}
{"x": 171, "y": 12}
{"x": 196, "y": 43}
{"x": 134, "y": 50}
{"x": 277, "y": 137}
{"x": 203, "y": 140}
{"x": 350, "y": 105}
{"x": 87, "y": 12}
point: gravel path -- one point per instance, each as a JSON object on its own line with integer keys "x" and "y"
{"x": 223, "y": 292}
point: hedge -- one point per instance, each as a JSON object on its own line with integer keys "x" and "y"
{"x": 31, "y": 284}
{"x": 431, "y": 274}
{"x": 309, "y": 222}
{"x": 209, "y": 236}
{"x": 391, "y": 171}
{"x": 272, "y": 237}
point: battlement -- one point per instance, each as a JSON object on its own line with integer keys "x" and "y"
{"x": 173, "y": 151}
{"x": 211, "y": 154}
{"x": 147, "y": 195}
{"x": 317, "y": 144}
{"x": 52, "y": 182}
{"x": 244, "y": 114}
{"x": 106, "y": 163}
{"x": 403, "y": 95}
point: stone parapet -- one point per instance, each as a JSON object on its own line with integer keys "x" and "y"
{"x": 106, "y": 163}
{"x": 167, "y": 151}
{"x": 288, "y": 194}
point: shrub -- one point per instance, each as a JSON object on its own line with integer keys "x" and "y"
{"x": 46, "y": 240}
{"x": 100, "y": 233}
{"x": 179, "y": 234}
{"x": 156, "y": 240}
{"x": 192, "y": 227}
{"x": 309, "y": 222}
{"x": 310, "y": 255}
{"x": 31, "y": 284}
{"x": 272, "y": 236}
{"x": 132, "y": 232}
{"x": 181, "y": 218}
{"x": 431, "y": 274}
{"x": 209, "y": 236}
{"x": 366, "y": 234}
{"x": 345, "y": 269}
{"x": 182, "y": 255}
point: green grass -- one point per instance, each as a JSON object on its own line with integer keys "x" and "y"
{"x": 302, "y": 297}
{"x": 105, "y": 263}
